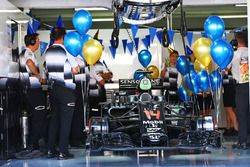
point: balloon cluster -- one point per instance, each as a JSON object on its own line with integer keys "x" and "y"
{"x": 79, "y": 43}
{"x": 145, "y": 58}
{"x": 205, "y": 50}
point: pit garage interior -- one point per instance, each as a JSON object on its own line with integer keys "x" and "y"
{"x": 141, "y": 123}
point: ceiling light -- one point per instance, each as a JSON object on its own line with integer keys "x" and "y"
{"x": 91, "y": 8}
{"x": 104, "y": 19}
{"x": 10, "y": 11}
{"x": 233, "y": 16}
{"x": 241, "y": 5}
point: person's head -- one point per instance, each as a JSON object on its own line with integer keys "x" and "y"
{"x": 173, "y": 57}
{"x": 242, "y": 38}
{"x": 57, "y": 34}
{"x": 32, "y": 41}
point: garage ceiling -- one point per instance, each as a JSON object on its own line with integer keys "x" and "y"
{"x": 195, "y": 15}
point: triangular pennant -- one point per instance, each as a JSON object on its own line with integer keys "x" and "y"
{"x": 111, "y": 42}
{"x": 204, "y": 34}
{"x": 152, "y": 33}
{"x": 148, "y": 39}
{"x": 51, "y": 42}
{"x": 130, "y": 46}
{"x": 124, "y": 43}
{"x": 159, "y": 35}
{"x": 113, "y": 51}
{"x": 35, "y": 25}
{"x": 59, "y": 22}
{"x": 136, "y": 42}
{"x": 43, "y": 46}
{"x": 190, "y": 37}
{"x": 189, "y": 51}
{"x": 171, "y": 35}
{"x": 145, "y": 42}
{"x": 29, "y": 29}
{"x": 134, "y": 29}
{"x": 100, "y": 40}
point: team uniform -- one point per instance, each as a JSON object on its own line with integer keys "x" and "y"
{"x": 59, "y": 63}
{"x": 241, "y": 75}
{"x": 36, "y": 98}
{"x": 171, "y": 83}
{"x": 97, "y": 92}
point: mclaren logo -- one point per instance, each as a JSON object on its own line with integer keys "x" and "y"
{"x": 152, "y": 113}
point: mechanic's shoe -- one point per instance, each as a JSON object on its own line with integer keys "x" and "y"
{"x": 242, "y": 146}
{"x": 63, "y": 156}
{"x": 52, "y": 154}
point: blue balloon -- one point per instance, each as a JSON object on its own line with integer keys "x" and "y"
{"x": 202, "y": 80}
{"x": 82, "y": 21}
{"x": 183, "y": 95}
{"x": 182, "y": 64}
{"x": 191, "y": 86}
{"x": 138, "y": 75}
{"x": 214, "y": 27}
{"x": 221, "y": 52}
{"x": 144, "y": 58}
{"x": 228, "y": 59}
{"x": 72, "y": 42}
{"x": 216, "y": 80}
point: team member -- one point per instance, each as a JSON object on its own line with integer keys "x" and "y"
{"x": 170, "y": 74}
{"x": 229, "y": 103}
{"x": 100, "y": 75}
{"x": 31, "y": 81}
{"x": 61, "y": 67}
{"x": 241, "y": 75}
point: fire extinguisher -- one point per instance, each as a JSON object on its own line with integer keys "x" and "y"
{"x": 25, "y": 129}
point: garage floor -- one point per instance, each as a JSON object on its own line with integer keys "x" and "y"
{"x": 226, "y": 156}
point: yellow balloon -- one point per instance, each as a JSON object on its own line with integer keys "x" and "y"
{"x": 198, "y": 66}
{"x": 201, "y": 49}
{"x": 155, "y": 73}
{"x": 189, "y": 92}
{"x": 92, "y": 51}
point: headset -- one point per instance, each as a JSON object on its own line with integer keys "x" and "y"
{"x": 234, "y": 42}
{"x": 33, "y": 40}
{"x": 30, "y": 39}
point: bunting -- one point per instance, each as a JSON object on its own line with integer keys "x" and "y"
{"x": 136, "y": 43}
{"x": 134, "y": 29}
{"x": 124, "y": 43}
{"x": 130, "y": 46}
{"x": 152, "y": 33}
{"x": 43, "y": 46}
{"x": 190, "y": 37}
{"x": 100, "y": 40}
{"x": 171, "y": 36}
{"x": 145, "y": 42}
{"x": 35, "y": 25}
{"x": 29, "y": 29}
{"x": 148, "y": 39}
{"x": 159, "y": 35}
{"x": 189, "y": 51}
{"x": 112, "y": 51}
{"x": 203, "y": 34}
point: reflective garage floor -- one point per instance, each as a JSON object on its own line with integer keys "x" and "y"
{"x": 225, "y": 156}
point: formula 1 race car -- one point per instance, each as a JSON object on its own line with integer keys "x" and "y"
{"x": 142, "y": 121}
